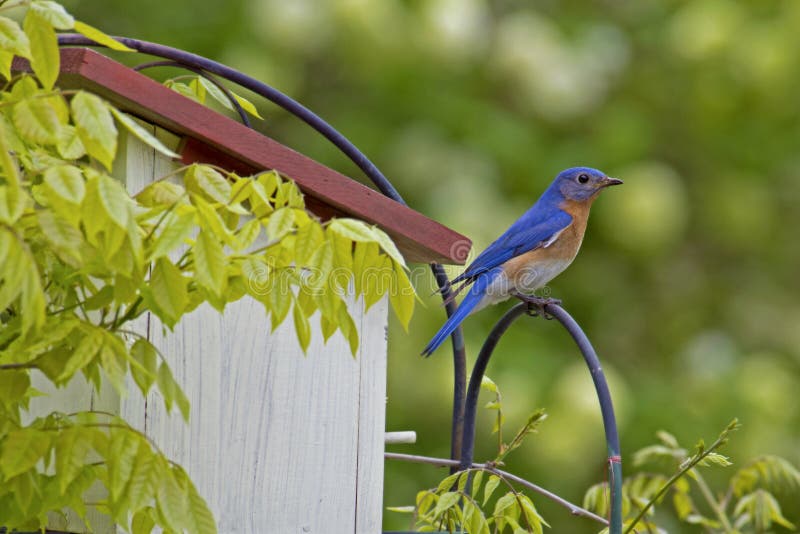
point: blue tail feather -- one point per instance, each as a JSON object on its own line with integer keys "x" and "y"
{"x": 474, "y": 296}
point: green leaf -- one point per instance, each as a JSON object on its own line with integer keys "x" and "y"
{"x": 45, "y": 57}
{"x": 491, "y": 485}
{"x": 534, "y": 520}
{"x": 69, "y": 143}
{"x": 6, "y": 59}
{"x": 301, "y": 326}
{"x": 201, "y": 519}
{"x": 402, "y": 296}
{"x": 122, "y": 450}
{"x": 100, "y": 38}
{"x": 142, "y": 482}
{"x": 13, "y": 39}
{"x": 95, "y": 125}
{"x": 171, "y": 391}
{"x": 446, "y": 501}
{"x": 169, "y": 291}
{"x": 142, "y": 134}
{"x": 247, "y": 105}
{"x": 143, "y": 522}
{"x": 71, "y": 448}
{"x": 63, "y": 237}
{"x": 176, "y": 228}
{"x": 114, "y": 361}
{"x": 22, "y": 449}
{"x": 209, "y": 263}
{"x": 65, "y": 182}
{"x": 215, "y": 92}
{"x": 388, "y": 246}
{"x": 54, "y": 13}
{"x": 144, "y": 364}
{"x": 353, "y": 229}
{"x": 247, "y": 234}
{"x": 208, "y": 182}
{"x": 36, "y": 120}
{"x": 307, "y": 240}
{"x": 114, "y": 200}
{"x": 280, "y": 223}
{"x": 87, "y": 349}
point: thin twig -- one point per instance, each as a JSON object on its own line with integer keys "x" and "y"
{"x": 573, "y": 508}
{"x": 723, "y": 437}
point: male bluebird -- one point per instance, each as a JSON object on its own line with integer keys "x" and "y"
{"x": 533, "y": 251}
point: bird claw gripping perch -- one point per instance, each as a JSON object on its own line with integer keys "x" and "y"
{"x": 537, "y": 305}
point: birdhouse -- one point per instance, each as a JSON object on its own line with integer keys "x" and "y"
{"x": 278, "y": 441}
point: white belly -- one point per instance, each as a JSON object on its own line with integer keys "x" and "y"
{"x": 527, "y": 279}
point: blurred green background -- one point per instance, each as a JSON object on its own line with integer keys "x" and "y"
{"x": 688, "y": 278}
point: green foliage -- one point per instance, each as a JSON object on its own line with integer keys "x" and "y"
{"x": 451, "y": 507}
{"x": 461, "y": 502}
{"x": 755, "y": 508}
{"x": 82, "y": 258}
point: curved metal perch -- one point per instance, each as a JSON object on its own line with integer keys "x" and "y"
{"x": 550, "y": 308}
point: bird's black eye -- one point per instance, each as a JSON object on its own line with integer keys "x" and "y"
{"x": 583, "y": 178}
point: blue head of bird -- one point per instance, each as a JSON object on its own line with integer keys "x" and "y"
{"x": 582, "y": 183}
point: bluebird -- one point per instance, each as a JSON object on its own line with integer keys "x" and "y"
{"x": 533, "y": 251}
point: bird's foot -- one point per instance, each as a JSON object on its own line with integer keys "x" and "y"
{"x": 537, "y": 305}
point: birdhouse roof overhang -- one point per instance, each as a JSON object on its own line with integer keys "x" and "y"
{"x": 210, "y": 137}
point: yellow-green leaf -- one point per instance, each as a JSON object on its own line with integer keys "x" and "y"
{"x": 169, "y": 291}
{"x": 388, "y": 246}
{"x": 247, "y": 105}
{"x": 176, "y": 227}
{"x": 171, "y": 391}
{"x": 22, "y": 449}
{"x": 301, "y": 326}
{"x": 144, "y": 364}
{"x": 54, "y": 13}
{"x": 307, "y": 240}
{"x": 84, "y": 353}
{"x": 6, "y": 58}
{"x": 13, "y": 39}
{"x": 114, "y": 361}
{"x": 45, "y": 58}
{"x": 402, "y": 296}
{"x": 139, "y": 131}
{"x": 115, "y": 201}
{"x": 353, "y": 229}
{"x": 209, "y": 263}
{"x": 247, "y": 234}
{"x": 69, "y": 143}
{"x": 100, "y": 38}
{"x": 63, "y": 238}
{"x": 66, "y": 182}
{"x": 95, "y": 126}
{"x": 280, "y": 223}
{"x": 36, "y": 120}
{"x": 208, "y": 182}
{"x": 71, "y": 448}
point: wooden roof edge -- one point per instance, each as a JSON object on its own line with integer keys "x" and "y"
{"x": 214, "y": 138}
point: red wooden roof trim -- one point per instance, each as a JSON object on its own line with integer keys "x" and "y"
{"x": 213, "y": 137}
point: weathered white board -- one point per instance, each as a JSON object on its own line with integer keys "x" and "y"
{"x": 278, "y": 442}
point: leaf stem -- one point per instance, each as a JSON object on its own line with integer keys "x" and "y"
{"x": 713, "y": 503}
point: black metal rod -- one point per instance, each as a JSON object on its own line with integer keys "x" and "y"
{"x": 459, "y": 369}
{"x": 549, "y": 307}
{"x": 475, "y": 379}
{"x": 344, "y": 145}
{"x": 606, "y": 408}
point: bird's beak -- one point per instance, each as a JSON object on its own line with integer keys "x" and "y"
{"x": 607, "y": 181}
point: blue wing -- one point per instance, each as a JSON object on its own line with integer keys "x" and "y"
{"x": 474, "y": 296}
{"x": 535, "y": 228}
